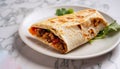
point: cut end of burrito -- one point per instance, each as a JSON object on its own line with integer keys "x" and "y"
{"x": 47, "y": 37}
{"x": 67, "y": 32}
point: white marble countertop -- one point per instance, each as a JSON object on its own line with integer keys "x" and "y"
{"x": 14, "y": 54}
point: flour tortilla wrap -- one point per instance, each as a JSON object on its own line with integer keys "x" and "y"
{"x": 67, "y": 32}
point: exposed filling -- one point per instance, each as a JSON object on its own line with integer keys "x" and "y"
{"x": 49, "y": 37}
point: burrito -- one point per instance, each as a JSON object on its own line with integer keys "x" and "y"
{"x": 67, "y": 32}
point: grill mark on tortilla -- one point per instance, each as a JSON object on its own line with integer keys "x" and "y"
{"x": 78, "y": 16}
{"x": 91, "y": 31}
{"x": 80, "y": 27}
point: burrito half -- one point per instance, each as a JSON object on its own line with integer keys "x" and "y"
{"x": 67, "y": 32}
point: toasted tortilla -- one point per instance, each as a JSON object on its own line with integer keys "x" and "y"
{"x": 71, "y": 30}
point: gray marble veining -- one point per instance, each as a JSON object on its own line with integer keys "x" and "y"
{"x": 12, "y": 12}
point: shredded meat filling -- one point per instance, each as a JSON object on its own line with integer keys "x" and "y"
{"x": 48, "y": 36}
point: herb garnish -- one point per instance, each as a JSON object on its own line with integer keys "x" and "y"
{"x": 114, "y": 26}
{"x": 63, "y": 11}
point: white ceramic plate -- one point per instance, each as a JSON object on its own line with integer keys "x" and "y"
{"x": 97, "y": 48}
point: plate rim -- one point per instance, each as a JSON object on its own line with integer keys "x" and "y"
{"x": 69, "y": 57}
